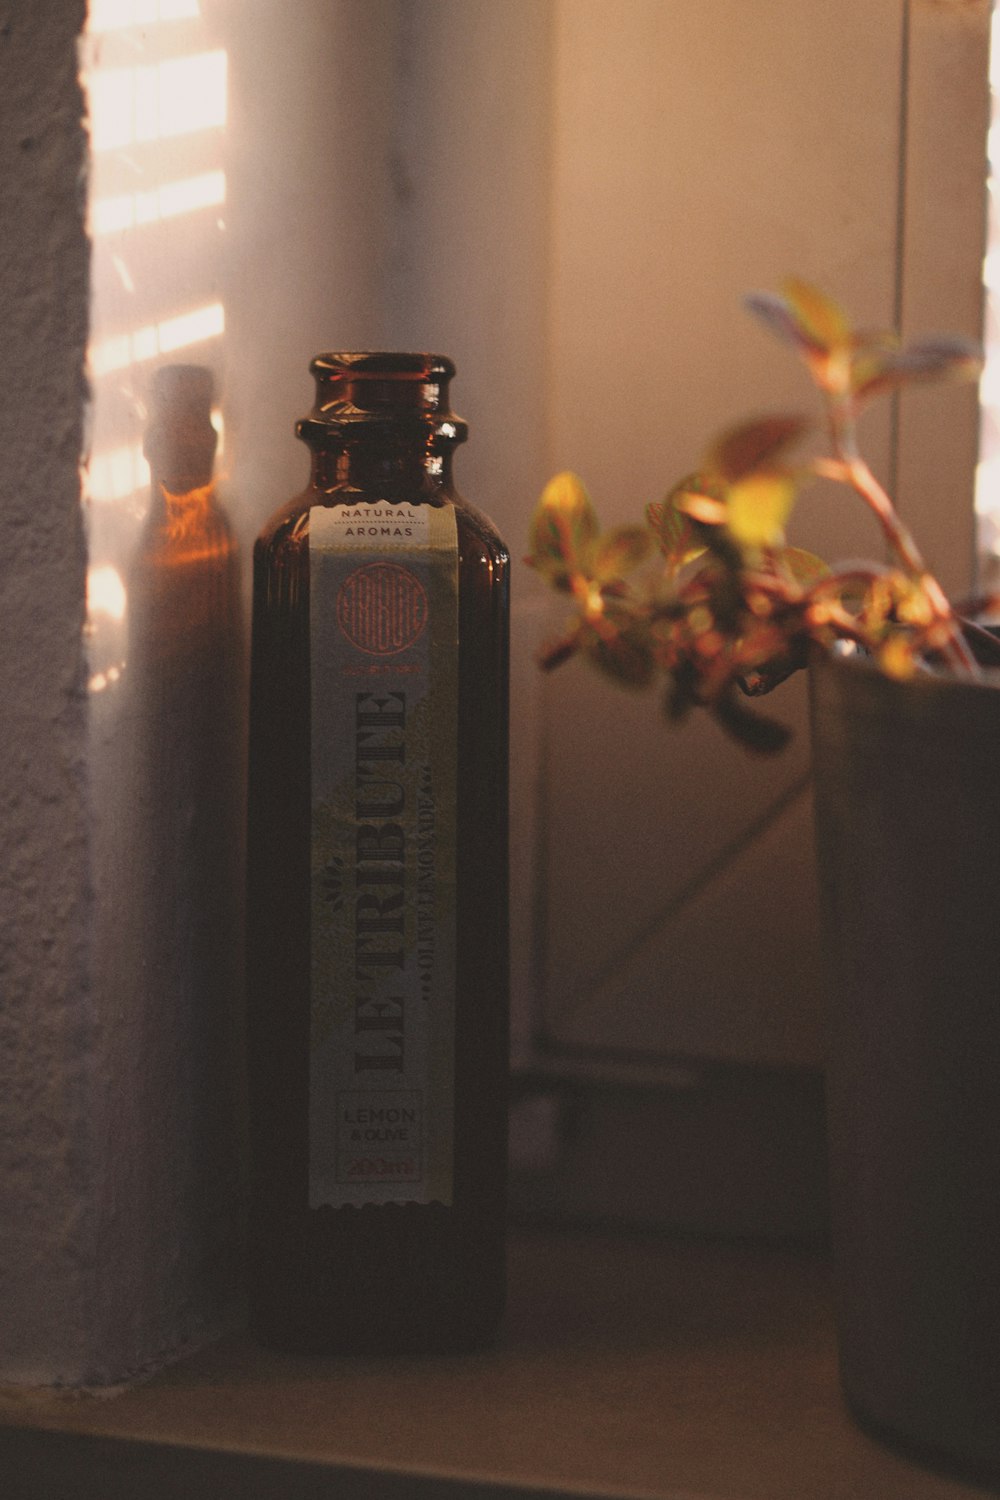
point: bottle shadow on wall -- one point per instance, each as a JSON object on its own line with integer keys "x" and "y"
{"x": 175, "y": 1093}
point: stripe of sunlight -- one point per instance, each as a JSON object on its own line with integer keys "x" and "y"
{"x": 123, "y": 211}
{"x": 120, "y": 15}
{"x": 116, "y": 473}
{"x": 143, "y": 344}
{"x": 107, "y": 603}
{"x": 157, "y": 101}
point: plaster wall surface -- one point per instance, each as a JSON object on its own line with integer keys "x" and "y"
{"x": 47, "y": 1038}
{"x": 119, "y": 1180}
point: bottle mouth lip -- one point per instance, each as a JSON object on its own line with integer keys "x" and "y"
{"x": 383, "y": 364}
{"x": 382, "y": 390}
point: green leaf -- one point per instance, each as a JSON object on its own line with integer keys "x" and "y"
{"x": 618, "y": 551}
{"x": 564, "y": 524}
{"x": 803, "y": 567}
{"x": 818, "y": 317}
{"x": 896, "y": 657}
{"x": 754, "y": 445}
{"x": 672, "y": 527}
{"x": 758, "y": 507}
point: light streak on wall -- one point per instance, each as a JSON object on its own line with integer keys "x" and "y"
{"x": 117, "y": 474}
{"x": 157, "y": 82}
{"x": 168, "y": 201}
{"x": 107, "y": 605}
{"x": 157, "y": 101}
{"x": 153, "y": 339}
{"x": 119, "y": 15}
{"x": 105, "y": 593}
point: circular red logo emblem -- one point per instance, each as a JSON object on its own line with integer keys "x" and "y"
{"x": 382, "y": 608}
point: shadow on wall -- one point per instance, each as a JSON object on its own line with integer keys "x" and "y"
{"x": 169, "y": 774}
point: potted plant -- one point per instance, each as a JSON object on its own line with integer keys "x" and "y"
{"x": 707, "y": 602}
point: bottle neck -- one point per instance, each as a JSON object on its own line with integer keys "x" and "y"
{"x": 179, "y": 493}
{"x": 376, "y": 470}
{"x": 180, "y": 441}
{"x": 179, "y": 480}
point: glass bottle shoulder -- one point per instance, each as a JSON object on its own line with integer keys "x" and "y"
{"x": 288, "y": 528}
{"x": 286, "y": 533}
{"x": 477, "y": 530}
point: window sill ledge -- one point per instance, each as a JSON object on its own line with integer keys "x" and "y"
{"x": 627, "y": 1367}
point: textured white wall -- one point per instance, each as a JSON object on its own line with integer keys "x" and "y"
{"x": 119, "y": 819}
{"x": 47, "y": 1038}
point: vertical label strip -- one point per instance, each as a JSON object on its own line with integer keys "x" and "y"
{"x": 384, "y": 699}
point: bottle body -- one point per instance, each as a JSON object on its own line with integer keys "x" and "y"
{"x": 395, "y": 1243}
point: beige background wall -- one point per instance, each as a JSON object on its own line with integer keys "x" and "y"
{"x": 587, "y": 190}
{"x": 685, "y": 919}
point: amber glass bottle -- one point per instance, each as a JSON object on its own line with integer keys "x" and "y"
{"x": 378, "y": 882}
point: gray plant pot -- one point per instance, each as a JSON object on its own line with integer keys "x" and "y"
{"x": 908, "y": 836}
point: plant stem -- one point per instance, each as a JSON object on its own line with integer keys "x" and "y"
{"x": 852, "y": 469}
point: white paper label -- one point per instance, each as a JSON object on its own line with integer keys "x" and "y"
{"x": 384, "y": 702}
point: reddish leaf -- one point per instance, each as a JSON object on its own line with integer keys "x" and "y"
{"x": 930, "y": 359}
{"x": 754, "y": 445}
{"x": 618, "y": 551}
{"x": 775, "y": 313}
{"x": 557, "y": 652}
{"x": 626, "y": 655}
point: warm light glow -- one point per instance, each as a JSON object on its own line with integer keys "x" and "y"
{"x": 118, "y": 15}
{"x": 105, "y": 593}
{"x": 116, "y": 473}
{"x": 131, "y": 210}
{"x": 989, "y": 385}
{"x": 130, "y": 106}
{"x": 192, "y": 328}
{"x": 991, "y": 270}
{"x": 987, "y": 479}
{"x": 146, "y": 343}
{"x": 156, "y": 83}
{"x": 102, "y": 680}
